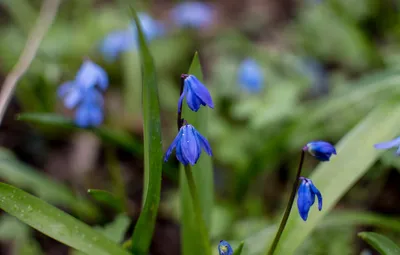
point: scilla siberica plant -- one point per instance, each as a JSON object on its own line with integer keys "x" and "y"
{"x": 307, "y": 191}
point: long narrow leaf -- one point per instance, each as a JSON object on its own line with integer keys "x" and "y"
{"x": 142, "y": 235}
{"x": 355, "y": 155}
{"x": 381, "y": 243}
{"x": 203, "y": 175}
{"x": 55, "y": 223}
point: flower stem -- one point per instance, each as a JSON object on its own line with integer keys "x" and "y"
{"x": 197, "y": 209}
{"x": 288, "y": 207}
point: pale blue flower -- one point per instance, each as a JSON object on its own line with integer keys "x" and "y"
{"x": 250, "y": 76}
{"x": 193, "y": 14}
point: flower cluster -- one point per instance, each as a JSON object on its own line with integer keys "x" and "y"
{"x": 84, "y": 94}
{"x": 189, "y": 142}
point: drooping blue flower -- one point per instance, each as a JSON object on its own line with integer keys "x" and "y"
{"x": 250, "y": 76}
{"x": 124, "y": 40}
{"x": 306, "y": 197}
{"x": 196, "y": 94}
{"x": 188, "y": 143}
{"x": 224, "y": 248}
{"x": 84, "y": 95}
{"x": 193, "y": 14}
{"x": 321, "y": 150}
{"x": 389, "y": 144}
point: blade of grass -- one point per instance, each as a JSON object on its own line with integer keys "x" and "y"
{"x": 203, "y": 177}
{"x": 142, "y": 235}
{"x": 355, "y": 155}
{"x": 381, "y": 243}
{"x": 55, "y": 223}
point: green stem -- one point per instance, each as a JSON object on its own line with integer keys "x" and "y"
{"x": 197, "y": 209}
{"x": 288, "y": 207}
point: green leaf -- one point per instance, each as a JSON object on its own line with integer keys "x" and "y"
{"x": 112, "y": 136}
{"x": 381, "y": 243}
{"x": 106, "y": 198}
{"x": 203, "y": 176}
{"x": 21, "y": 175}
{"x": 355, "y": 155}
{"x": 153, "y": 153}
{"x": 239, "y": 249}
{"x": 55, "y": 223}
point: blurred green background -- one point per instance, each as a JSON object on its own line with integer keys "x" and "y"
{"x": 326, "y": 65}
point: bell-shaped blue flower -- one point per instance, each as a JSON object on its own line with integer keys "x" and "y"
{"x": 306, "y": 197}
{"x": 196, "y": 94}
{"x": 320, "y": 150}
{"x": 193, "y": 14}
{"x": 124, "y": 40}
{"x": 188, "y": 143}
{"x": 250, "y": 76}
{"x": 90, "y": 75}
{"x": 389, "y": 144}
{"x": 84, "y": 95}
{"x": 224, "y": 248}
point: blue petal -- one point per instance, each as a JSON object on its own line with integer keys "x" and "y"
{"x": 224, "y": 248}
{"x": 192, "y": 100}
{"x": 190, "y": 145}
{"x": 305, "y": 200}
{"x": 200, "y": 90}
{"x": 73, "y": 98}
{"x": 204, "y": 143}
{"x": 172, "y": 146}
{"x": 90, "y": 75}
{"x": 82, "y": 116}
{"x": 319, "y": 196}
{"x": 387, "y": 145}
{"x": 95, "y": 115}
{"x": 179, "y": 154}
{"x": 65, "y": 88}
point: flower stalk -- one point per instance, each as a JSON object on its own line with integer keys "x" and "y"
{"x": 288, "y": 207}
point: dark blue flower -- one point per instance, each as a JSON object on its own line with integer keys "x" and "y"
{"x": 124, "y": 40}
{"x": 84, "y": 95}
{"x": 250, "y": 76}
{"x": 224, "y": 248}
{"x": 196, "y": 94}
{"x": 320, "y": 150}
{"x": 193, "y": 14}
{"x": 389, "y": 144}
{"x": 188, "y": 144}
{"x": 306, "y": 197}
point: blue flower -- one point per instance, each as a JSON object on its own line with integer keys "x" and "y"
{"x": 390, "y": 144}
{"x": 124, "y": 40}
{"x": 306, "y": 197}
{"x": 188, "y": 143}
{"x": 250, "y": 76}
{"x": 224, "y": 248}
{"x": 84, "y": 95}
{"x": 193, "y": 14}
{"x": 316, "y": 73}
{"x": 196, "y": 94}
{"x": 320, "y": 150}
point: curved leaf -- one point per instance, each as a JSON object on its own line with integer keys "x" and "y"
{"x": 55, "y": 223}
{"x": 381, "y": 243}
{"x": 153, "y": 153}
{"x": 355, "y": 155}
{"x": 239, "y": 249}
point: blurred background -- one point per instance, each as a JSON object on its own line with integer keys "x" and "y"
{"x": 281, "y": 73}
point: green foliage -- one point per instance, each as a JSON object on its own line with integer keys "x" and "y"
{"x": 143, "y": 233}
{"x": 55, "y": 223}
{"x": 106, "y": 198}
{"x": 381, "y": 243}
